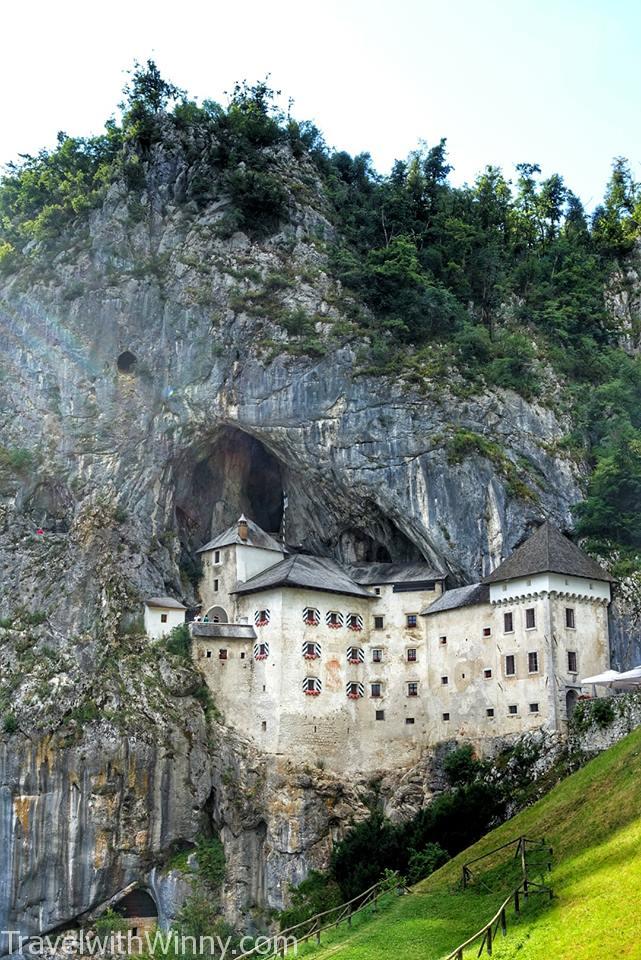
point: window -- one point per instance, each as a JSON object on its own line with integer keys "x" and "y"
{"x": 442, "y": 641}
{"x": 312, "y": 686}
{"x": 446, "y": 717}
{"x": 532, "y": 662}
{"x": 376, "y": 690}
{"x": 355, "y": 655}
{"x": 569, "y": 618}
{"x": 489, "y": 712}
{"x": 409, "y": 720}
{"x": 355, "y": 691}
{"x": 508, "y": 622}
{"x": 411, "y": 655}
{"x": 261, "y": 618}
{"x": 261, "y": 651}
{"x": 487, "y": 631}
{"x": 354, "y": 622}
{"x": 163, "y": 618}
{"x": 215, "y": 586}
{"x": 263, "y": 725}
{"x": 510, "y": 665}
{"x": 444, "y": 681}
{"x": 242, "y": 654}
{"x": 334, "y": 619}
{"x": 311, "y": 616}
{"x": 377, "y": 655}
{"x": 380, "y": 714}
{"x": 379, "y": 623}
{"x": 534, "y": 708}
{"x": 512, "y": 709}
{"x": 222, "y": 654}
{"x": 377, "y": 591}
{"x": 311, "y": 650}
{"x": 572, "y": 666}
{"x": 411, "y": 620}
{"x": 487, "y": 674}
{"x": 412, "y": 689}
{"x": 208, "y": 654}
{"x": 530, "y": 618}
{"x": 216, "y": 556}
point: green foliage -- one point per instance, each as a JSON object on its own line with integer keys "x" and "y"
{"x": 210, "y": 856}
{"x": 317, "y": 893}
{"x": 9, "y": 723}
{"x": 424, "y": 862}
{"x": 178, "y": 642}
{"x": 587, "y": 713}
{"x": 461, "y": 766}
{"x": 110, "y": 923}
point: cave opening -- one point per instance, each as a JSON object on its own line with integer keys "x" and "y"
{"x": 233, "y": 474}
{"x": 126, "y": 362}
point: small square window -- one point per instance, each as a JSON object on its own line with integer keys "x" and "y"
{"x": 264, "y": 725}
{"x": 487, "y": 674}
{"x": 163, "y": 618}
{"x": 379, "y": 623}
{"x": 222, "y": 654}
{"x": 442, "y": 641}
{"x": 216, "y": 556}
{"x": 512, "y": 709}
{"x": 569, "y": 618}
{"x": 489, "y": 712}
{"x": 208, "y": 654}
{"x": 533, "y": 662}
{"x": 380, "y": 714}
{"x": 487, "y": 631}
{"x": 377, "y": 591}
{"x": 376, "y": 690}
{"x": 508, "y": 622}
{"x": 411, "y": 655}
{"x": 412, "y": 689}
{"x": 377, "y": 655}
{"x": 411, "y": 620}
{"x": 446, "y": 716}
{"x": 215, "y": 586}
{"x": 444, "y": 681}
{"x": 534, "y": 708}
{"x": 530, "y": 618}
{"x": 572, "y": 664}
{"x": 409, "y": 720}
{"x": 510, "y": 665}
{"x": 242, "y": 654}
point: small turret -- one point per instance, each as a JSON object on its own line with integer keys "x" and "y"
{"x": 243, "y": 528}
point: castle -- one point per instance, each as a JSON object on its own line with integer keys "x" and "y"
{"x": 363, "y": 666}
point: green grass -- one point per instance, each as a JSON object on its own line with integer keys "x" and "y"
{"x": 593, "y": 822}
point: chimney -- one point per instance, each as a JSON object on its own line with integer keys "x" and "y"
{"x": 243, "y": 528}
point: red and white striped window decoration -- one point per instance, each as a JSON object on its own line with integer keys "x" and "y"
{"x": 355, "y": 691}
{"x": 261, "y": 618}
{"x": 354, "y": 621}
{"x": 333, "y": 619}
{"x": 355, "y": 655}
{"x": 312, "y": 686}
{"x": 311, "y": 616}
{"x": 311, "y": 651}
{"x": 261, "y": 651}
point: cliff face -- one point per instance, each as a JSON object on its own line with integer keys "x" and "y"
{"x": 149, "y": 392}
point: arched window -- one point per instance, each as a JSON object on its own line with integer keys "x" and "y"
{"x": 261, "y": 651}
{"x": 261, "y": 618}
{"x": 354, "y": 621}
{"x": 355, "y": 655}
{"x": 216, "y": 615}
{"x": 334, "y": 619}
{"x": 311, "y": 617}
{"x": 311, "y": 650}
{"x": 355, "y": 691}
{"x": 312, "y": 686}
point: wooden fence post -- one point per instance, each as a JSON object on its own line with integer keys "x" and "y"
{"x": 503, "y": 922}
{"x": 489, "y": 941}
{"x": 517, "y": 902}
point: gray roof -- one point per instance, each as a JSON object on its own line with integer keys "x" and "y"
{"x": 223, "y": 631}
{"x": 371, "y": 573}
{"x": 547, "y": 550}
{"x": 316, "y": 573}
{"x": 467, "y": 596}
{"x": 167, "y": 602}
{"x": 257, "y": 538}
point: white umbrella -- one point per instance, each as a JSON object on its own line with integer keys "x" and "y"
{"x": 602, "y": 678}
{"x": 629, "y": 679}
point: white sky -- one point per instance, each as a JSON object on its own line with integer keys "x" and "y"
{"x": 556, "y": 82}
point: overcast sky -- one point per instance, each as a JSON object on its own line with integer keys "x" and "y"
{"x": 556, "y": 82}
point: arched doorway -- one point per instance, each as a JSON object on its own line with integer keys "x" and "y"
{"x": 216, "y": 615}
{"x": 138, "y": 909}
{"x": 571, "y": 698}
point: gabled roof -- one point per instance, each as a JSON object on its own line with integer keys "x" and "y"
{"x": 315, "y": 573}
{"x": 467, "y": 596}
{"x": 167, "y": 602}
{"x": 547, "y": 550}
{"x": 257, "y": 538}
{"x": 223, "y": 631}
{"x": 379, "y": 573}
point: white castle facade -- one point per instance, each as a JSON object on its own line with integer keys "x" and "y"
{"x": 362, "y": 667}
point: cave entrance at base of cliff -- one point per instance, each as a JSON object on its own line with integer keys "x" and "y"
{"x": 138, "y": 909}
{"x": 126, "y": 362}
{"x": 232, "y": 474}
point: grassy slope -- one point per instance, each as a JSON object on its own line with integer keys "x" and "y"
{"x": 593, "y": 821}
